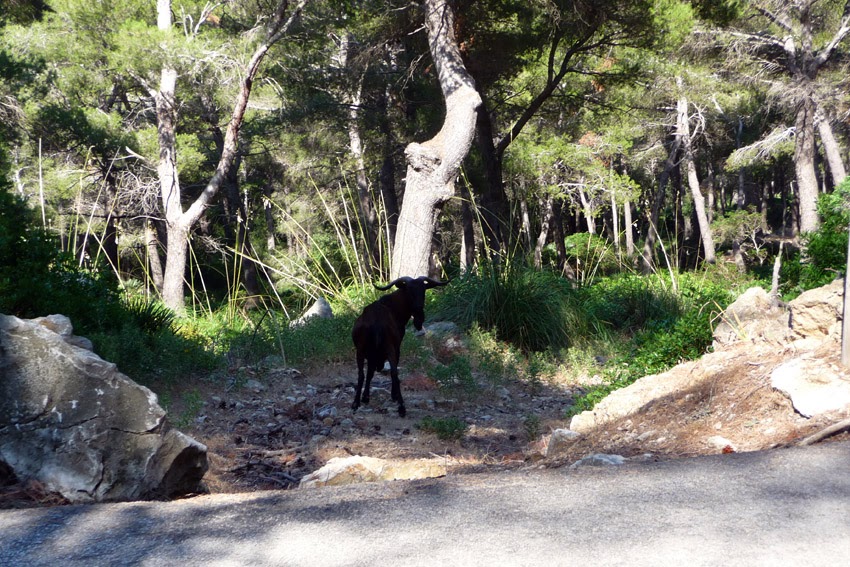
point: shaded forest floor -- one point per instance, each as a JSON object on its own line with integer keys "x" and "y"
{"x": 291, "y": 423}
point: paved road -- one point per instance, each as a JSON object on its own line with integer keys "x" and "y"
{"x": 785, "y": 507}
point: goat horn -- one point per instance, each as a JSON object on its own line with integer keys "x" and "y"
{"x": 402, "y": 280}
{"x": 431, "y": 282}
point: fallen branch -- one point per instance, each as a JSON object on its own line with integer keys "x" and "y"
{"x": 824, "y": 433}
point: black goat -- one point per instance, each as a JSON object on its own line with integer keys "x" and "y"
{"x": 378, "y": 332}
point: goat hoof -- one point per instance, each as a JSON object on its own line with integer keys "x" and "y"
{"x": 402, "y": 411}
{"x": 354, "y": 406}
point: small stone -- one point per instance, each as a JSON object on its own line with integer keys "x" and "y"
{"x": 327, "y": 411}
{"x": 255, "y": 386}
{"x": 560, "y": 440}
{"x": 328, "y": 421}
{"x": 722, "y": 444}
{"x": 599, "y": 460}
{"x": 646, "y": 435}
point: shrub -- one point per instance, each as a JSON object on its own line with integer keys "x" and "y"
{"x": 664, "y": 341}
{"x": 826, "y": 248}
{"x": 590, "y": 255}
{"x": 531, "y": 309}
{"x": 447, "y": 429}
{"x": 629, "y": 302}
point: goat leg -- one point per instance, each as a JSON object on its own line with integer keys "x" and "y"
{"x": 370, "y": 372}
{"x": 359, "y": 388}
{"x": 395, "y": 390}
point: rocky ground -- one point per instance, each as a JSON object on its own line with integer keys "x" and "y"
{"x": 280, "y": 425}
{"x": 266, "y": 427}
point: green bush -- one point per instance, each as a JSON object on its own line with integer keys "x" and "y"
{"x": 629, "y": 302}
{"x": 825, "y": 254}
{"x": 664, "y": 341}
{"x": 532, "y": 309}
{"x": 590, "y": 256}
{"x": 447, "y": 428}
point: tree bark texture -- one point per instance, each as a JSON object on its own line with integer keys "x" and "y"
{"x": 830, "y": 148}
{"x": 804, "y": 165}
{"x": 434, "y": 164}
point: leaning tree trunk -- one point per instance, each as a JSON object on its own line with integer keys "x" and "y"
{"x": 693, "y": 181}
{"x": 830, "y": 148}
{"x": 434, "y": 164}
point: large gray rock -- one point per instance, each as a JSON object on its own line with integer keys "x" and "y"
{"x": 814, "y": 388}
{"x": 320, "y": 309}
{"x": 754, "y": 315}
{"x": 71, "y": 421}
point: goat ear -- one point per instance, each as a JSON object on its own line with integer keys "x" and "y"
{"x": 429, "y": 283}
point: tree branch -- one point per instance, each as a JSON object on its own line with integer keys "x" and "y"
{"x": 276, "y": 30}
{"x": 840, "y": 34}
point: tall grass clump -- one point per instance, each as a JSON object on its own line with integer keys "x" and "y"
{"x": 532, "y": 309}
{"x": 629, "y": 302}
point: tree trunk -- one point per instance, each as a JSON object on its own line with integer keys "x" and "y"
{"x": 434, "y": 164}
{"x": 648, "y": 258}
{"x": 627, "y": 222}
{"x": 389, "y": 200}
{"x": 494, "y": 201}
{"x": 587, "y": 208}
{"x": 526, "y": 221}
{"x": 693, "y": 180}
{"x": 804, "y": 165}
{"x": 368, "y": 212}
{"x": 830, "y": 148}
{"x": 154, "y": 262}
{"x": 615, "y": 224}
{"x": 560, "y": 245}
{"x": 271, "y": 242}
{"x": 467, "y": 245}
{"x": 547, "y": 214}
{"x": 178, "y": 222}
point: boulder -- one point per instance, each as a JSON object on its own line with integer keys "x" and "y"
{"x": 816, "y": 313}
{"x": 355, "y": 469}
{"x": 321, "y": 309}
{"x": 753, "y": 315}
{"x": 814, "y": 388}
{"x": 640, "y": 395}
{"x": 71, "y": 421}
{"x": 560, "y": 440}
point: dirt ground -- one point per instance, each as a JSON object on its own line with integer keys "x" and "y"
{"x": 290, "y": 423}
{"x": 269, "y": 427}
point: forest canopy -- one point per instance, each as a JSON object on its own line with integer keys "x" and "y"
{"x": 265, "y": 150}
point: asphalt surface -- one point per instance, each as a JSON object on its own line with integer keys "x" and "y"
{"x": 782, "y": 507}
